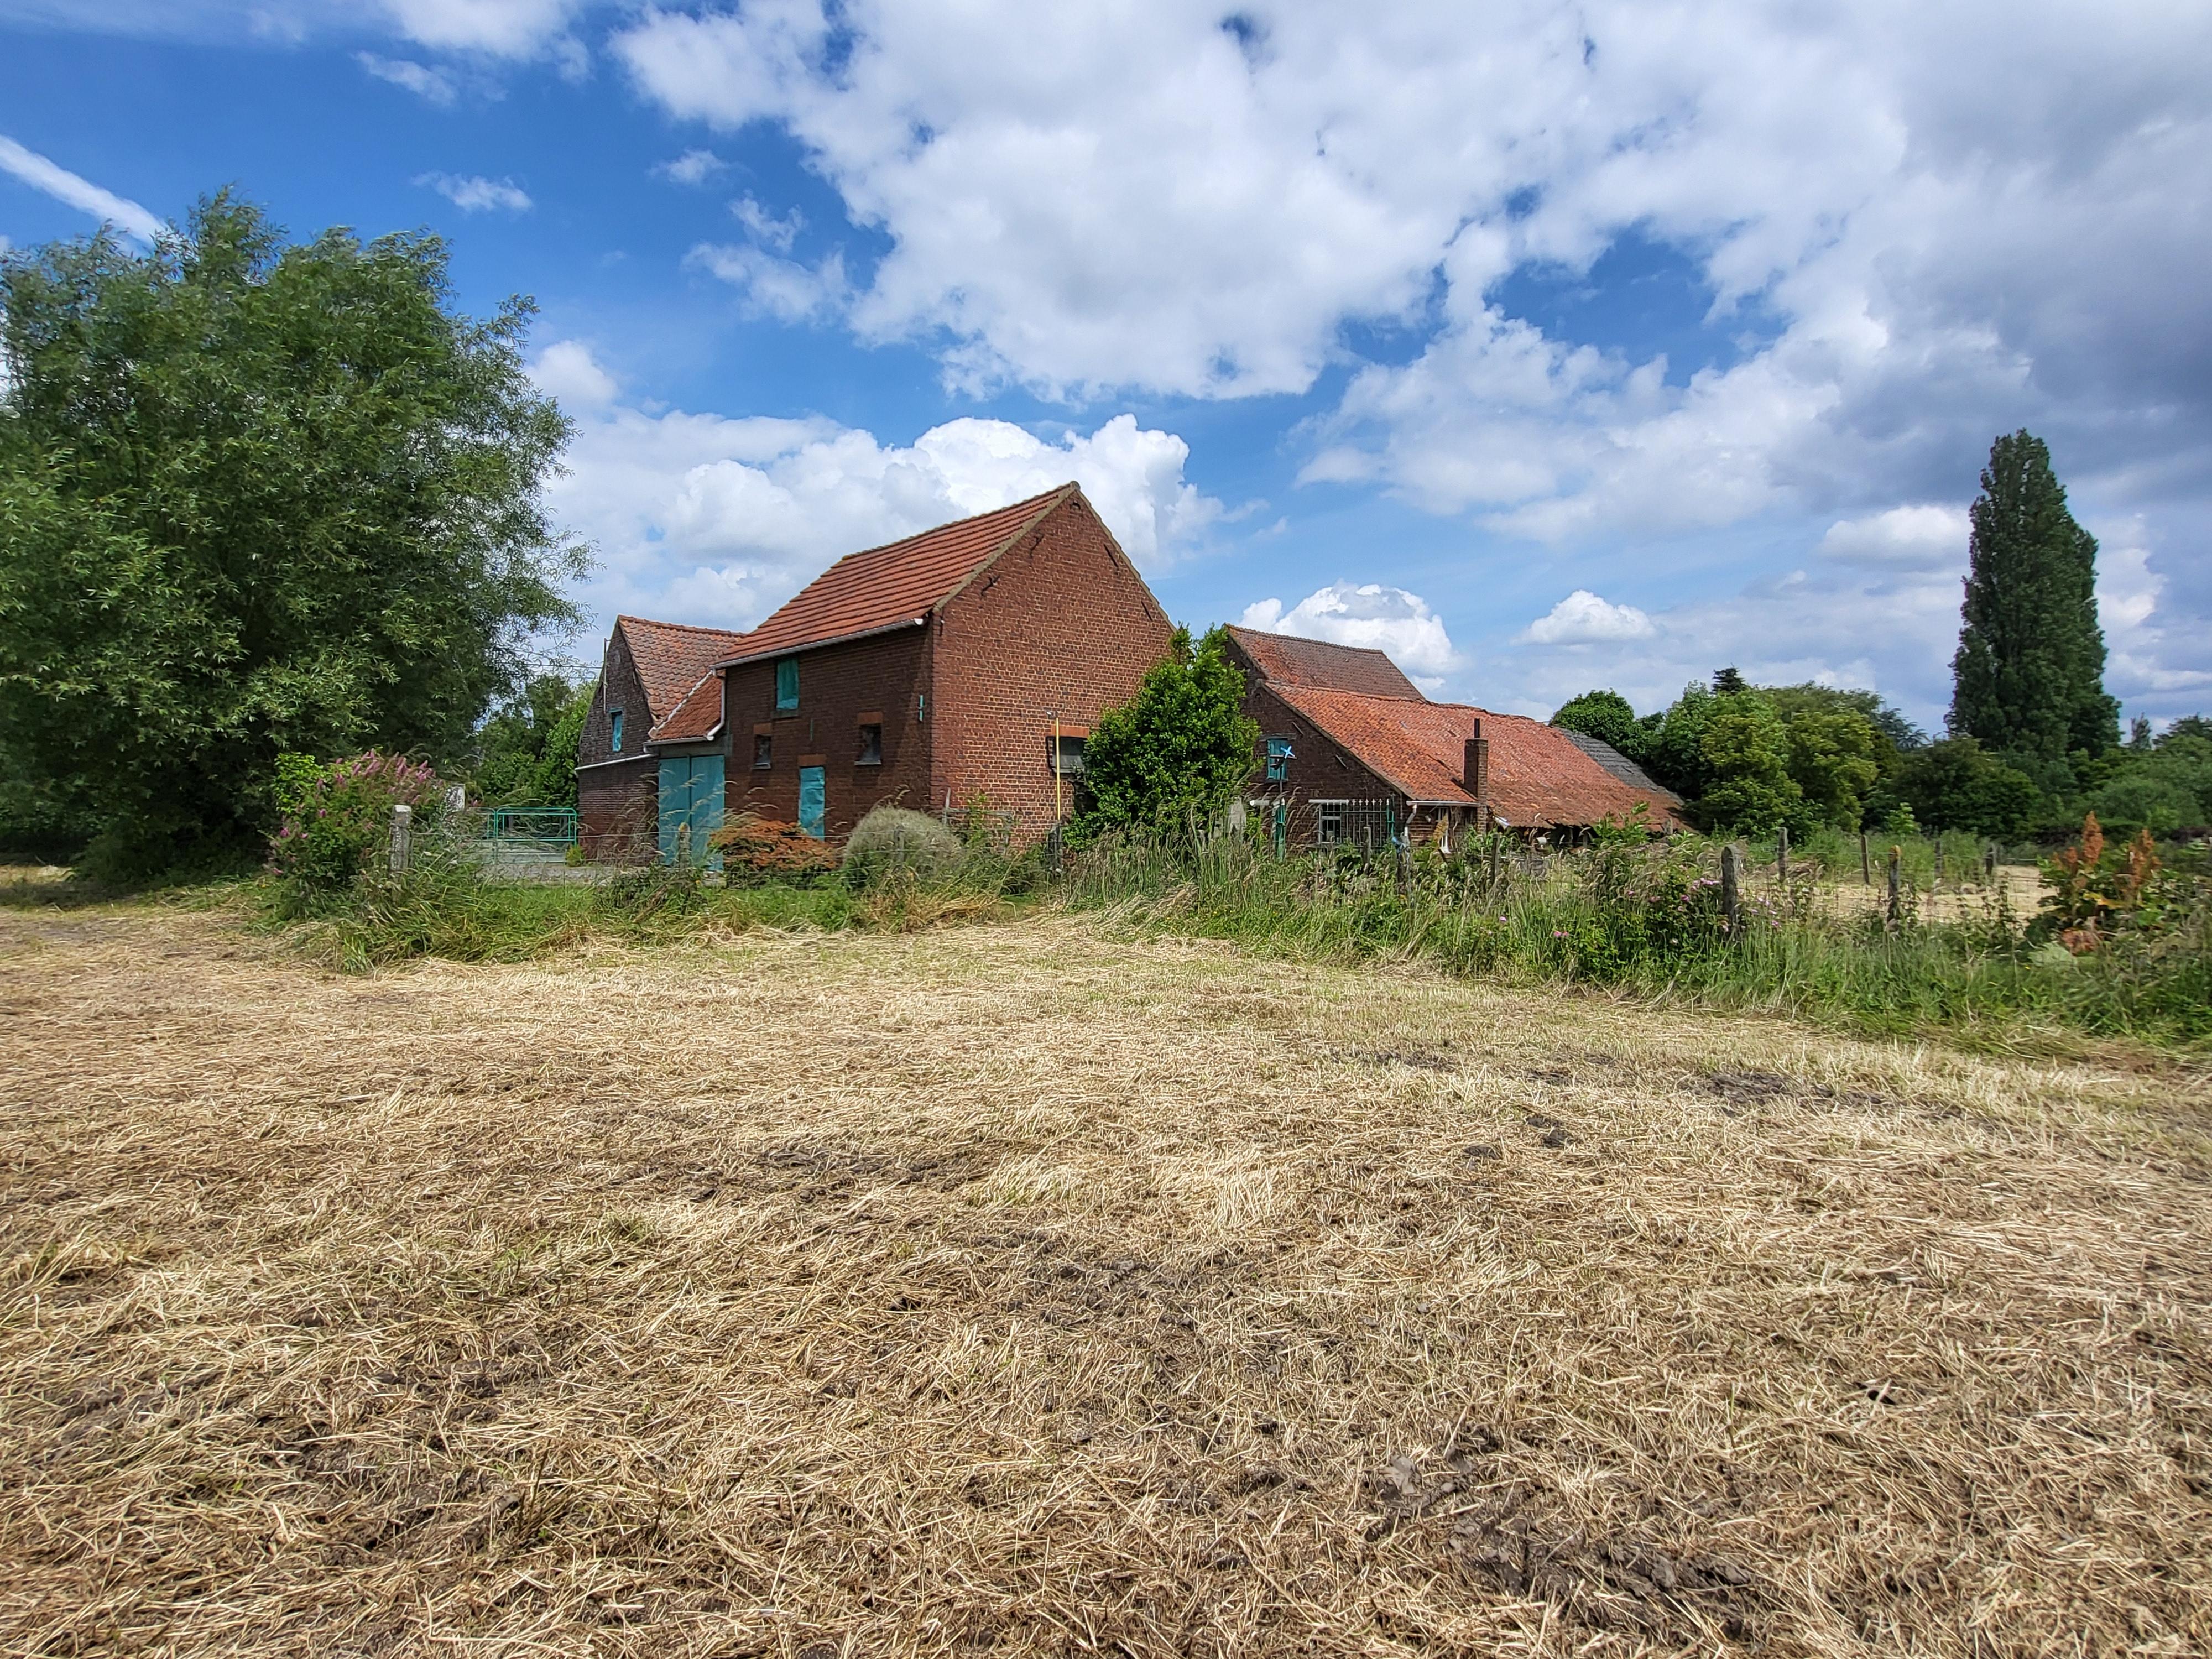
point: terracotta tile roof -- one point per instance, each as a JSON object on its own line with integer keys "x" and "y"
{"x": 1538, "y": 779}
{"x": 1287, "y": 659}
{"x": 671, "y": 657}
{"x": 868, "y": 592}
{"x": 699, "y": 715}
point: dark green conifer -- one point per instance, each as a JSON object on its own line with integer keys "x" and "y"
{"x": 2028, "y": 679}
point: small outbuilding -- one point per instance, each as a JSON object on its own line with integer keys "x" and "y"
{"x": 1350, "y": 751}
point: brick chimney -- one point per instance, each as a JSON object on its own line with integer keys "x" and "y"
{"x": 1474, "y": 772}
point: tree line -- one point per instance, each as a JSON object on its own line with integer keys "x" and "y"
{"x": 2031, "y": 740}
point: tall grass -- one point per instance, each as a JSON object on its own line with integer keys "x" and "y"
{"x": 1586, "y": 919}
{"x": 1637, "y": 921}
{"x": 447, "y": 905}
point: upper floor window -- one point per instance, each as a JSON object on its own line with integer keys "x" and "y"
{"x": 786, "y": 685}
{"x": 871, "y": 746}
{"x": 1067, "y": 753}
{"x": 614, "y": 728}
{"x": 1280, "y": 756}
{"x": 763, "y": 751}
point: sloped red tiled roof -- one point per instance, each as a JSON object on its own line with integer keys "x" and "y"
{"x": 697, "y": 716}
{"x": 1287, "y": 659}
{"x": 1538, "y": 779}
{"x": 671, "y": 657}
{"x": 900, "y": 582}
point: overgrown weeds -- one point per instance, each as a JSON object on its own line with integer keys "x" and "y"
{"x": 1648, "y": 921}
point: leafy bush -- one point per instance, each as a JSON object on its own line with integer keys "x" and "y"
{"x": 758, "y": 849}
{"x": 898, "y": 839}
{"x": 1178, "y": 751}
{"x": 337, "y": 817}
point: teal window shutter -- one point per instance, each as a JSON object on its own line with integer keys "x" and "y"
{"x": 614, "y": 722}
{"x": 786, "y": 685}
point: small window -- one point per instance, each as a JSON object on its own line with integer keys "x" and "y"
{"x": 763, "y": 751}
{"x": 1280, "y": 756}
{"x": 786, "y": 685}
{"x": 871, "y": 746}
{"x": 614, "y": 727}
{"x": 1328, "y": 822}
{"x": 1067, "y": 755}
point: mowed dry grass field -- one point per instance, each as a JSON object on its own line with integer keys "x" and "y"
{"x": 1019, "y": 1289}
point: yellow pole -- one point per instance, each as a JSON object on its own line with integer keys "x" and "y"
{"x": 1057, "y": 813}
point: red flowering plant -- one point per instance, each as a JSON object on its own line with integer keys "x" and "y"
{"x": 2093, "y": 890}
{"x": 338, "y": 815}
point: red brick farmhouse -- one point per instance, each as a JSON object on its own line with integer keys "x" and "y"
{"x": 1350, "y": 749}
{"x": 965, "y": 663}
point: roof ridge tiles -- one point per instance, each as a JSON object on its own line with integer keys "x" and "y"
{"x": 895, "y": 584}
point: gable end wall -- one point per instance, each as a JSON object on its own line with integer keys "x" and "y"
{"x": 1060, "y": 622}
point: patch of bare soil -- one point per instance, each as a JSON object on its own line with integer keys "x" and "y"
{"x": 1012, "y": 1290}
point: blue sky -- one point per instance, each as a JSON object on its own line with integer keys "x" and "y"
{"x": 1591, "y": 345}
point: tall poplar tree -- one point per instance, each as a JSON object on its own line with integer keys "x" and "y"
{"x": 2029, "y": 675}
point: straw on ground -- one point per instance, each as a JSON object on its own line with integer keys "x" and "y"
{"x": 1016, "y": 1289}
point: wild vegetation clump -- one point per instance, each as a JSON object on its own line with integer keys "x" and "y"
{"x": 337, "y": 816}
{"x": 1648, "y": 920}
{"x": 754, "y": 849}
{"x": 896, "y": 841}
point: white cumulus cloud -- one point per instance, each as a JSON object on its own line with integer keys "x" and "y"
{"x": 566, "y": 371}
{"x": 788, "y": 290}
{"x": 715, "y": 519}
{"x": 500, "y": 29}
{"x": 1584, "y": 618}
{"x": 473, "y": 193}
{"x": 1369, "y": 615}
{"x": 1905, "y": 537}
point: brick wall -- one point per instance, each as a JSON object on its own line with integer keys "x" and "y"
{"x": 1061, "y": 622}
{"x": 879, "y": 677}
{"x": 1319, "y": 769}
{"x": 612, "y": 802}
{"x": 617, "y": 808}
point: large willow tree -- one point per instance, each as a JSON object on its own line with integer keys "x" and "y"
{"x": 254, "y": 498}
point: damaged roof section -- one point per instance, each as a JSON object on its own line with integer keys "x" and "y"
{"x": 1283, "y": 659}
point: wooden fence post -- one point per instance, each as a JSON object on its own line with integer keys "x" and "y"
{"x": 1896, "y": 901}
{"x": 684, "y": 844}
{"x": 1866, "y": 867}
{"x": 403, "y": 838}
{"x": 1782, "y": 855}
{"x": 1731, "y": 900}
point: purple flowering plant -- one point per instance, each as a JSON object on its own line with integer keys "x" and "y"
{"x": 338, "y": 814}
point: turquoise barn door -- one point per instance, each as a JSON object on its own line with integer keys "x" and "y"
{"x": 705, "y": 807}
{"x": 690, "y": 794}
{"x": 675, "y": 801}
{"x": 811, "y": 800}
